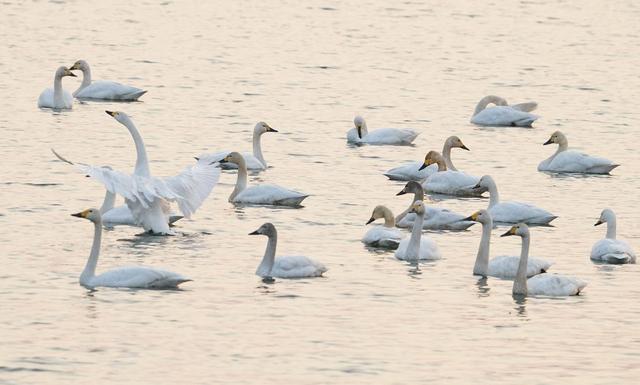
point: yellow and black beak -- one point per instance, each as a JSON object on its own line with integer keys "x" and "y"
{"x": 550, "y": 141}
{"x": 81, "y": 214}
{"x": 112, "y": 113}
{"x": 225, "y": 159}
{"x": 512, "y": 231}
{"x": 598, "y": 223}
{"x": 370, "y": 220}
{"x": 472, "y": 217}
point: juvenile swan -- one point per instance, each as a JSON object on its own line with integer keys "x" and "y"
{"x": 287, "y": 266}
{"x": 543, "y": 284}
{"x": 130, "y": 276}
{"x": 264, "y": 194}
{"x": 449, "y": 182}
{"x": 57, "y": 98}
{"x": 385, "y": 236}
{"x": 416, "y": 247}
{"x": 255, "y": 161}
{"x": 411, "y": 171}
{"x": 610, "y": 249}
{"x": 393, "y": 136}
{"x": 502, "y": 114}
{"x": 501, "y": 266}
{"x": 102, "y": 89}
{"x": 564, "y": 160}
{"x": 511, "y": 211}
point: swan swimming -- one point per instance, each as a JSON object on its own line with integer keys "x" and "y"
{"x": 386, "y": 236}
{"x": 57, "y": 98}
{"x": 390, "y": 136}
{"x": 436, "y": 218}
{"x": 503, "y": 114}
{"x": 511, "y": 211}
{"x": 501, "y": 266}
{"x": 121, "y": 216}
{"x": 148, "y": 197}
{"x": 411, "y": 171}
{"x": 449, "y": 182}
{"x": 287, "y": 266}
{"x": 255, "y": 161}
{"x": 564, "y": 160}
{"x": 130, "y": 276}
{"x": 610, "y": 249}
{"x": 416, "y": 247}
{"x": 543, "y": 284}
{"x": 263, "y": 194}
{"x": 102, "y": 89}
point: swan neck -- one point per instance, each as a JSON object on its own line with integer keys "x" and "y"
{"x": 142, "y": 162}
{"x": 484, "y": 102}
{"x": 494, "y": 196}
{"x": 90, "y": 268}
{"x": 108, "y": 203}
{"x": 389, "y": 220}
{"x": 481, "y": 266}
{"x": 442, "y": 165}
{"x": 265, "y": 267}
{"x": 611, "y": 228}
{"x": 241, "y": 182}
{"x": 413, "y": 250}
{"x": 257, "y": 148}
{"x": 520, "y": 283}
{"x": 86, "y": 77}
{"x": 446, "y": 154}
{"x": 58, "y": 99}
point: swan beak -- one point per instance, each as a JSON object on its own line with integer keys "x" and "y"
{"x": 112, "y": 113}
{"x": 598, "y": 223}
{"x": 547, "y": 142}
{"x": 254, "y": 233}
{"x": 472, "y": 217}
{"x": 370, "y": 220}
{"x": 269, "y": 129}
{"x": 69, "y": 73}
{"x": 512, "y": 231}
{"x": 401, "y": 192}
{"x": 424, "y": 165}
{"x": 476, "y": 186}
{"x": 465, "y": 147}
{"x": 359, "y": 129}
{"x": 224, "y": 160}
{"x": 81, "y": 214}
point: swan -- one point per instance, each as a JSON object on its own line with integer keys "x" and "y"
{"x": 287, "y": 266}
{"x": 416, "y": 247}
{"x": 449, "y": 182}
{"x": 265, "y": 194}
{"x": 543, "y": 284}
{"x": 411, "y": 171}
{"x": 148, "y": 197}
{"x": 393, "y": 136}
{"x": 57, "y": 98}
{"x": 115, "y": 216}
{"x": 501, "y": 266}
{"x": 511, "y": 211}
{"x": 102, "y": 89}
{"x": 502, "y": 114}
{"x": 131, "y": 276}
{"x": 610, "y": 249}
{"x": 436, "y": 218}
{"x": 255, "y": 161}
{"x": 564, "y": 160}
{"x": 386, "y": 236}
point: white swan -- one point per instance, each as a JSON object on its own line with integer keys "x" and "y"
{"x": 416, "y": 247}
{"x": 386, "y": 236}
{"x": 392, "y": 136}
{"x": 146, "y": 196}
{"x": 102, "y": 89}
{"x": 121, "y": 216}
{"x": 502, "y": 114}
{"x": 411, "y": 171}
{"x": 502, "y": 266}
{"x": 264, "y": 194}
{"x": 511, "y": 211}
{"x": 57, "y": 97}
{"x": 130, "y": 276}
{"x": 564, "y": 160}
{"x": 449, "y": 182}
{"x": 255, "y": 161}
{"x": 543, "y": 284}
{"x": 610, "y": 249}
{"x": 287, "y": 266}
{"x": 436, "y": 218}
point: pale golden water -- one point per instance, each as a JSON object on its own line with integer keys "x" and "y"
{"x": 307, "y": 68}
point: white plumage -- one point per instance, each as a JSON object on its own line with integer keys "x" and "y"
{"x": 502, "y": 114}
{"x": 571, "y": 161}
{"x": 417, "y": 247}
{"x": 57, "y": 97}
{"x": 610, "y": 249}
{"x": 386, "y": 236}
{"x": 449, "y": 182}
{"x": 103, "y": 89}
{"x": 382, "y": 136}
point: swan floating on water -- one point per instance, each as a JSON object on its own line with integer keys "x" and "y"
{"x": 390, "y": 136}
{"x": 511, "y": 211}
{"x": 436, "y": 218}
{"x": 564, "y": 160}
{"x": 610, "y": 249}
{"x": 263, "y": 194}
{"x": 255, "y": 161}
{"x": 146, "y": 196}
{"x": 503, "y": 114}
{"x": 285, "y": 266}
{"x": 56, "y": 97}
{"x": 449, "y": 182}
{"x": 386, "y": 236}
{"x": 412, "y": 171}
{"x": 121, "y": 216}
{"x": 102, "y": 89}
{"x": 130, "y": 276}
{"x": 543, "y": 284}
{"x": 416, "y": 247}
{"x": 501, "y": 266}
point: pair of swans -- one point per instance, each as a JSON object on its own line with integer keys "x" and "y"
{"x": 449, "y": 182}
{"x": 502, "y": 114}
{"x": 610, "y": 249}
{"x": 571, "y": 161}
{"x": 389, "y": 136}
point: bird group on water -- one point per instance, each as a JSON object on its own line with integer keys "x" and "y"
{"x": 148, "y": 198}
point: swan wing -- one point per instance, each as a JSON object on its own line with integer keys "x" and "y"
{"x": 193, "y": 185}
{"x": 452, "y": 183}
{"x": 390, "y": 136}
{"x": 428, "y": 249}
{"x": 138, "y": 277}
{"x": 45, "y": 100}
{"x": 575, "y": 161}
{"x": 296, "y": 267}
{"x": 120, "y": 215}
{"x": 380, "y": 236}
{"x": 554, "y": 285}
{"x": 526, "y": 107}
{"x": 503, "y": 116}
{"x": 268, "y": 194}
{"x": 411, "y": 171}
{"x": 506, "y": 267}
{"x": 104, "y": 89}
{"x": 515, "y": 212}
{"x": 613, "y": 251}
{"x": 437, "y": 218}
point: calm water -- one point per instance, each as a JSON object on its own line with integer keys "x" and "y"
{"x": 307, "y": 68}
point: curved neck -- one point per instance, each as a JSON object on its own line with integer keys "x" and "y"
{"x": 494, "y": 197}
{"x": 257, "y": 148}
{"x": 418, "y": 195}
{"x": 264, "y": 269}
{"x": 484, "y": 102}
{"x": 142, "y": 162}
{"x": 611, "y": 228}
{"x": 446, "y": 154}
{"x": 520, "y": 283}
{"x": 86, "y": 77}
{"x": 413, "y": 250}
{"x": 482, "y": 259}
{"x": 58, "y": 98}
{"x": 90, "y": 268}
{"x": 241, "y": 182}
{"x": 108, "y": 203}
{"x": 389, "y": 220}
{"x": 442, "y": 166}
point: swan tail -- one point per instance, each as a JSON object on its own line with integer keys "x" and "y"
{"x": 294, "y": 201}
{"x": 605, "y": 169}
{"x": 525, "y": 107}
{"x": 174, "y": 218}
{"x": 135, "y": 95}
{"x": 525, "y": 122}
{"x": 392, "y": 176}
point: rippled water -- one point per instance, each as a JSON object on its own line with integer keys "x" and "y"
{"x": 306, "y": 68}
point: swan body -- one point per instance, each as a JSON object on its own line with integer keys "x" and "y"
{"x": 57, "y": 97}
{"x": 564, "y": 160}
{"x": 449, "y": 182}
{"x": 511, "y": 211}
{"x": 610, "y": 249}
{"x": 502, "y": 114}
{"x": 286, "y": 266}
{"x": 122, "y": 216}
{"x": 102, "y": 89}
{"x": 139, "y": 277}
{"x": 382, "y": 136}
{"x": 386, "y": 236}
{"x": 416, "y": 247}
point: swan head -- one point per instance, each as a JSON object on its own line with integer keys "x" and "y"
{"x": 119, "y": 116}
{"x": 378, "y": 212}
{"x": 431, "y": 158}
{"x": 485, "y": 182}
{"x": 520, "y": 230}
{"x": 417, "y": 208}
{"x": 360, "y": 125}
{"x": 79, "y": 65}
{"x": 557, "y": 137}
{"x": 480, "y": 216}
{"x": 267, "y": 229}
{"x": 91, "y": 214}
{"x": 64, "y": 71}
{"x": 262, "y": 127}
{"x": 454, "y": 141}
{"x": 412, "y": 187}
{"x": 605, "y": 216}
{"x": 233, "y": 157}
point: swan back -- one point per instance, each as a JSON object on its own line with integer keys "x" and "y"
{"x": 484, "y": 102}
